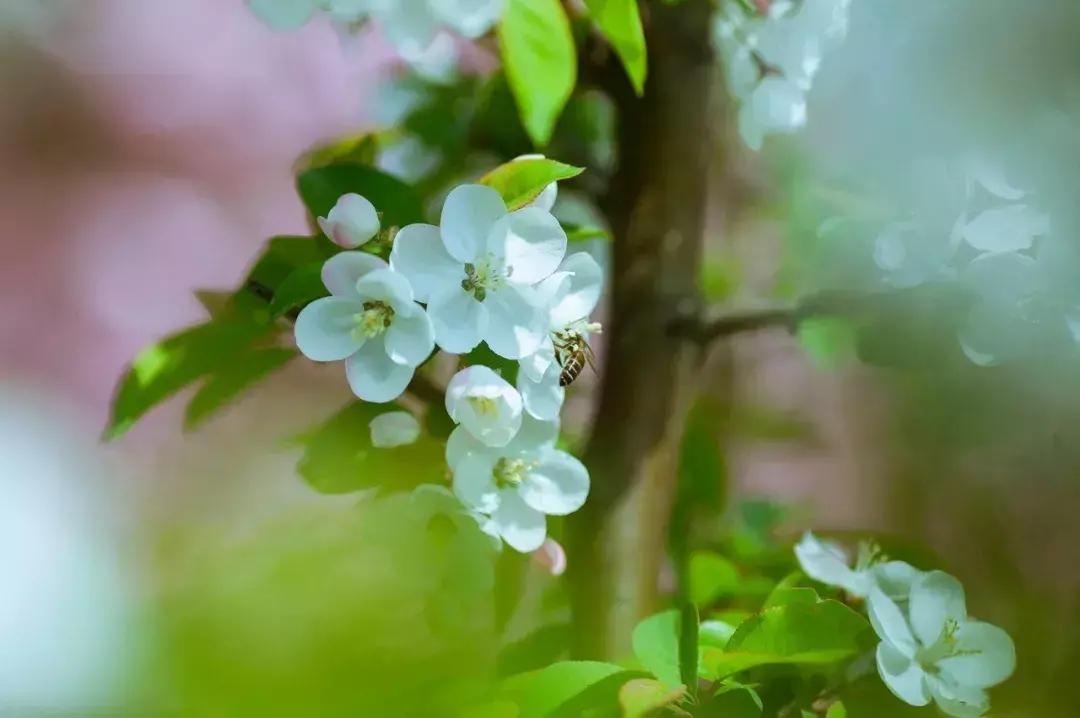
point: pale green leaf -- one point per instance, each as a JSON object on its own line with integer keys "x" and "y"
{"x": 540, "y": 61}
{"x": 620, "y": 22}
{"x": 541, "y": 693}
{"x": 656, "y": 645}
{"x": 521, "y": 181}
{"x": 796, "y": 633}
{"x": 227, "y": 383}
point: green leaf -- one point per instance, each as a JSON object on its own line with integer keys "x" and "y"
{"x": 641, "y": 696}
{"x": 339, "y": 457}
{"x": 536, "y": 650}
{"x": 361, "y": 148}
{"x": 787, "y": 591}
{"x": 302, "y": 286}
{"x": 161, "y": 370}
{"x": 542, "y": 693}
{"x": 578, "y": 233}
{"x": 540, "y": 61}
{"x": 280, "y": 258}
{"x": 688, "y": 647}
{"x": 620, "y": 22}
{"x": 821, "y": 633}
{"x": 396, "y": 202}
{"x": 227, "y": 383}
{"x": 656, "y": 645}
{"x": 732, "y": 700}
{"x": 711, "y": 577}
{"x": 521, "y": 181}
{"x": 836, "y": 710}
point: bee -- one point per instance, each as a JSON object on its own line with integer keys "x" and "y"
{"x": 573, "y": 353}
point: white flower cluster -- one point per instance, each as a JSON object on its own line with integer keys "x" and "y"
{"x": 416, "y": 28}
{"x": 930, "y": 649}
{"x": 771, "y": 60}
{"x": 971, "y": 226}
{"x": 485, "y": 274}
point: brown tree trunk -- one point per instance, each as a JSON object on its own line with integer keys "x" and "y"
{"x": 657, "y": 209}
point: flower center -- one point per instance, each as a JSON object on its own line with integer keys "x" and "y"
{"x": 373, "y": 321}
{"x": 509, "y": 473}
{"x": 483, "y": 405}
{"x": 483, "y": 276}
{"x": 945, "y": 647}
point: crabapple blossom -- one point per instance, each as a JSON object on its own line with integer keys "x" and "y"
{"x": 771, "y": 61}
{"x": 477, "y": 271}
{"x": 394, "y": 428}
{"x": 517, "y": 485}
{"x": 485, "y": 405}
{"x": 572, "y": 294}
{"x": 933, "y": 651}
{"x": 826, "y": 562}
{"x": 370, "y": 322}
{"x": 352, "y": 222}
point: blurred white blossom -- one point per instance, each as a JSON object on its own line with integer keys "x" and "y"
{"x": 394, "y": 428}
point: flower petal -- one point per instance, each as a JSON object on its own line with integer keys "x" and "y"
{"x": 531, "y": 243}
{"x": 543, "y": 399}
{"x": 521, "y": 526}
{"x": 936, "y": 597}
{"x": 987, "y": 656}
{"x": 373, "y": 377}
{"x": 342, "y": 271}
{"x": 558, "y": 486}
{"x": 469, "y": 18}
{"x": 1006, "y": 229}
{"x": 394, "y": 428}
{"x": 889, "y": 622}
{"x": 474, "y": 482}
{"x": 536, "y": 365}
{"x": 419, "y": 254}
{"x": 825, "y": 562}
{"x": 516, "y": 323}
{"x": 534, "y": 435}
{"x": 460, "y": 443}
{"x": 895, "y": 578}
{"x": 470, "y": 213}
{"x": 485, "y": 404}
{"x": 353, "y": 221}
{"x": 582, "y": 294}
{"x": 458, "y": 319}
{"x": 283, "y": 14}
{"x": 409, "y": 25}
{"x": 411, "y": 338}
{"x": 324, "y": 329}
{"x": 385, "y": 285}
{"x": 902, "y": 675}
{"x": 958, "y": 701}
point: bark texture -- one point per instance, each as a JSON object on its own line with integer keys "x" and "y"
{"x": 657, "y": 209}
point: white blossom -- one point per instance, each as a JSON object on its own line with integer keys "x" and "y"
{"x": 394, "y": 428}
{"x": 827, "y": 562}
{"x": 934, "y": 652}
{"x": 352, "y": 222}
{"x": 517, "y": 485}
{"x": 572, "y": 294}
{"x": 477, "y": 271}
{"x": 371, "y": 322}
{"x": 771, "y": 61}
{"x": 485, "y": 405}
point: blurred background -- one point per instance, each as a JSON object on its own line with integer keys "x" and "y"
{"x": 147, "y": 151}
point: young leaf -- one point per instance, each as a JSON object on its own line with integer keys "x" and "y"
{"x": 521, "y": 181}
{"x": 161, "y": 370}
{"x": 620, "y": 22}
{"x": 641, "y": 697}
{"x": 797, "y": 633}
{"x": 656, "y": 645}
{"x": 542, "y": 693}
{"x": 540, "y": 60}
{"x": 229, "y": 382}
{"x": 321, "y": 187}
{"x": 302, "y": 286}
